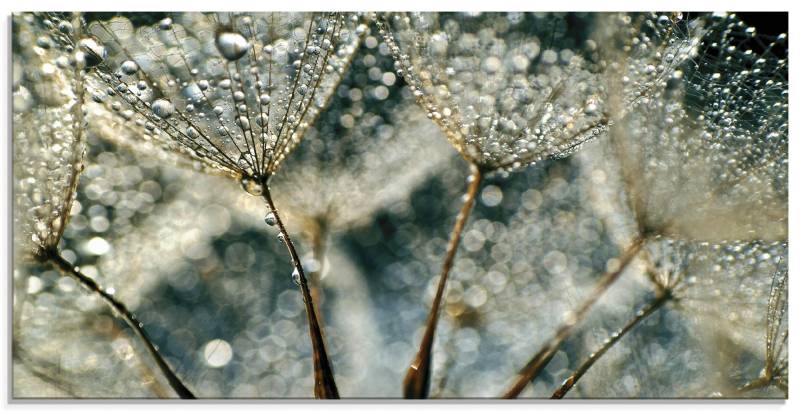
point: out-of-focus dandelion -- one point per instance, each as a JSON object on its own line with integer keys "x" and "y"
{"x": 776, "y": 362}
{"x": 340, "y": 184}
{"x": 49, "y": 147}
{"x": 685, "y": 169}
{"x": 508, "y": 90}
{"x": 235, "y": 92}
{"x": 704, "y": 160}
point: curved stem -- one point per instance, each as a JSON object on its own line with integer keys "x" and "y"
{"x": 68, "y": 269}
{"x": 642, "y": 314}
{"x": 537, "y": 363}
{"x": 416, "y": 383}
{"x": 324, "y": 384}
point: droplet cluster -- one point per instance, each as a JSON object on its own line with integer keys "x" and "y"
{"x": 234, "y": 91}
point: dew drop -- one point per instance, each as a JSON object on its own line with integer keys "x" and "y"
{"x": 243, "y": 163}
{"x": 129, "y": 67}
{"x": 65, "y": 27}
{"x": 252, "y": 186}
{"x": 296, "y": 276}
{"x": 165, "y": 24}
{"x": 163, "y": 108}
{"x": 231, "y": 45}
{"x": 44, "y": 42}
{"x": 270, "y": 219}
{"x": 93, "y": 53}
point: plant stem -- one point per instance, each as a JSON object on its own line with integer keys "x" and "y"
{"x": 416, "y": 384}
{"x": 68, "y": 269}
{"x": 537, "y": 363}
{"x": 642, "y": 314}
{"x": 324, "y": 384}
{"x": 319, "y": 237}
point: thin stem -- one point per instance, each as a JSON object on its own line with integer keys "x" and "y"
{"x": 542, "y": 358}
{"x": 642, "y": 314}
{"x": 416, "y": 384}
{"x": 319, "y": 240}
{"x": 324, "y": 384}
{"x": 68, "y": 269}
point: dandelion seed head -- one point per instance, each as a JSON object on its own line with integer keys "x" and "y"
{"x": 235, "y": 92}
{"x": 502, "y": 101}
{"x": 48, "y": 140}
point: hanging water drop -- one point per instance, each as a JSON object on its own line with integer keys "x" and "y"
{"x": 296, "y": 276}
{"x": 270, "y": 219}
{"x": 252, "y": 186}
{"x": 231, "y": 45}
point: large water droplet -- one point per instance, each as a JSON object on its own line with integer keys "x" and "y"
{"x": 93, "y": 53}
{"x": 129, "y": 67}
{"x": 163, "y": 108}
{"x": 296, "y": 276}
{"x": 65, "y": 27}
{"x": 165, "y": 24}
{"x": 231, "y": 45}
{"x": 252, "y": 186}
{"x": 270, "y": 219}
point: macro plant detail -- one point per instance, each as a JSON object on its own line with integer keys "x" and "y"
{"x": 46, "y": 185}
{"x": 622, "y": 232}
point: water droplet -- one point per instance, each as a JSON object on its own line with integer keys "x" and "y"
{"x": 163, "y": 108}
{"x": 252, "y": 186}
{"x": 129, "y": 67}
{"x": 65, "y": 27}
{"x": 44, "y": 42}
{"x": 296, "y": 276}
{"x": 231, "y": 45}
{"x": 270, "y": 219}
{"x": 92, "y": 52}
{"x": 165, "y": 24}
{"x": 243, "y": 163}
